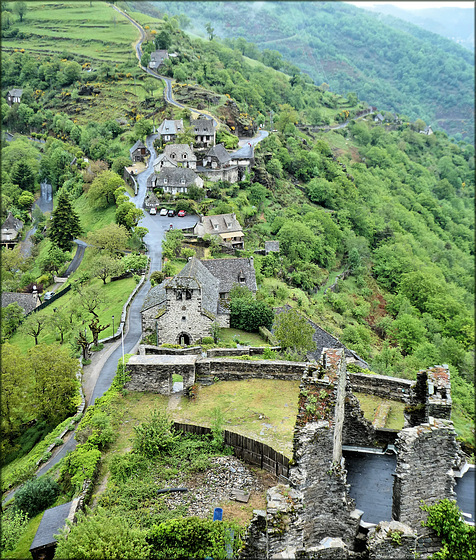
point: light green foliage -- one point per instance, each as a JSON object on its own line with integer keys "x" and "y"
{"x": 37, "y": 495}
{"x": 171, "y": 245}
{"x": 78, "y": 466}
{"x": 12, "y": 316}
{"x": 135, "y": 262}
{"x": 13, "y": 523}
{"x": 192, "y": 537}
{"x": 105, "y": 266}
{"x": 111, "y": 238}
{"x": 100, "y": 535}
{"x": 154, "y": 436}
{"x": 294, "y": 332}
{"x": 103, "y": 187}
{"x": 458, "y": 538}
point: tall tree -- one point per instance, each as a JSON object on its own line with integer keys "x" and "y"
{"x": 65, "y": 225}
{"x": 294, "y": 332}
{"x": 22, "y": 175}
{"x": 111, "y": 238}
{"x": 20, "y": 9}
{"x": 54, "y": 371}
{"x": 33, "y": 325}
{"x": 101, "y": 192}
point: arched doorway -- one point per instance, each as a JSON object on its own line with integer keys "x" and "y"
{"x": 184, "y": 339}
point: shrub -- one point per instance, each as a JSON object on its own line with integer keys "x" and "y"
{"x": 191, "y": 537}
{"x": 78, "y": 466}
{"x": 13, "y": 522}
{"x": 207, "y": 340}
{"x": 154, "y": 436}
{"x": 37, "y": 495}
{"x": 128, "y": 466}
{"x": 250, "y": 315}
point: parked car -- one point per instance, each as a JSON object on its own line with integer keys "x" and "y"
{"x": 171, "y": 213}
{"x": 153, "y": 211}
{"x": 181, "y": 213}
{"x": 48, "y": 295}
{"x": 163, "y": 212}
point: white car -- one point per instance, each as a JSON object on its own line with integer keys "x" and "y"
{"x": 163, "y": 212}
{"x": 48, "y": 295}
{"x": 153, "y": 211}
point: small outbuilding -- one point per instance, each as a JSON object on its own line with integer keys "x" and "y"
{"x": 138, "y": 151}
{"x": 14, "y": 96}
{"x": 44, "y": 544}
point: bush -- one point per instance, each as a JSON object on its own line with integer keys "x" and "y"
{"x": 37, "y": 495}
{"x": 157, "y": 277}
{"x": 192, "y": 537}
{"x": 250, "y": 315}
{"x": 128, "y": 466}
{"x": 154, "y": 436}
{"x": 78, "y": 466}
{"x": 13, "y": 522}
{"x": 207, "y": 340}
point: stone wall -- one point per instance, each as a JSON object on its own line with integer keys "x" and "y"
{"x": 391, "y": 540}
{"x": 225, "y": 369}
{"x": 426, "y": 455}
{"x": 357, "y": 429}
{"x": 381, "y": 386}
{"x": 225, "y": 174}
{"x": 154, "y": 373}
{"x": 148, "y": 350}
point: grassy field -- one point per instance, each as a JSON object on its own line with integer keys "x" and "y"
{"x": 93, "y": 29}
{"x": 241, "y": 337}
{"x": 370, "y": 403}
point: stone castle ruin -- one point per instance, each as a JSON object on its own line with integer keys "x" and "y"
{"x": 310, "y": 514}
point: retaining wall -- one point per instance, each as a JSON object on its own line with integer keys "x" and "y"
{"x": 382, "y": 386}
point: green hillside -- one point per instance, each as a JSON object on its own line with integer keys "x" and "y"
{"x": 409, "y": 71}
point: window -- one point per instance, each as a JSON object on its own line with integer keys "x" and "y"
{"x": 184, "y": 318}
{"x": 165, "y": 180}
{"x": 188, "y": 294}
{"x": 173, "y": 155}
{"x": 241, "y": 278}
{"x": 182, "y": 181}
{"x": 215, "y": 226}
{"x": 178, "y": 294}
{"x": 184, "y": 156}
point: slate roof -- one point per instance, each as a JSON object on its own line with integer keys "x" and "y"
{"x": 226, "y": 223}
{"x": 180, "y": 150}
{"x": 138, "y": 145}
{"x": 169, "y": 126}
{"x": 156, "y": 296}
{"x": 228, "y": 272}
{"x": 151, "y": 179}
{"x": 12, "y": 223}
{"x": 220, "y": 153}
{"x": 193, "y": 276}
{"x": 52, "y": 521}
{"x": 202, "y": 126}
{"x": 379, "y": 117}
{"x": 27, "y": 302}
{"x": 16, "y": 92}
{"x": 174, "y": 176}
{"x": 271, "y": 247}
{"x": 157, "y": 57}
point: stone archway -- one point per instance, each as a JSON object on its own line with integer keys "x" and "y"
{"x": 183, "y": 339}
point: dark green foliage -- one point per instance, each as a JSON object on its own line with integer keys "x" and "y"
{"x": 65, "y": 225}
{"x": 26, "y": 441}
{"x": 37, "y": 495}
{"x": 12, "y": 316}
{"x": 250, "y": 315}
{"x": 22, "y": 175}
{"x": 458, "y": 538}
{"x": 191, "y": 537}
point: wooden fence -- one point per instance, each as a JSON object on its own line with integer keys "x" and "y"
{"x": 251, "y": 451}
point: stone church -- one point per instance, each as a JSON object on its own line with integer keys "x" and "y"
{"x": 182, "y": 309}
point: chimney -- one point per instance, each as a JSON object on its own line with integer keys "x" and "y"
{"x": 251, "y": 261}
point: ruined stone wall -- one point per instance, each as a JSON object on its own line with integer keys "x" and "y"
{"x": 225, "y": 369}
{"x": 426, "y": 455}
{"x": 391, "y": 540}
{"x": 148, "y": 350}
{"x": 358, "y": 430}
{"x": 381, "y": 386}
{"x": 154, "y": 373}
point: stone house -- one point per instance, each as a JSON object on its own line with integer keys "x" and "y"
{"x": 10, "y": 231}
{"x": 379, "y": 118}
{"x": 204, "y": 131}
{"x": 157, "y": 58}
{"x": 175, "y": 180}
{"x": 183, "y": 309}
{"x": 428, "y": 130}
{"x": 225, "y": 226}
{"x": 271, "y": 247}
{"x": 14, "y": 96}
{"x": 244, "y": 158}
{"x": 169, "y": 129}
{"x": 176, "y": 155}
{"x": 138, "y": 151}
{"x": 217, "y": 165}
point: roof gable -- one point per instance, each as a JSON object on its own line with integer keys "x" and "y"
{"x": 232, "y": 271}
{"x": 176, "y": 176}
{"x": 202, "y": 126}
{"x": 28, "y": 302}
{"x": 137, "y": 146}
{"x": 12, "y": 223}
{"x": 52, "y": 521}
{"x": 220, "y": 153}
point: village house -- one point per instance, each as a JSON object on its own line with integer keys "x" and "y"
{"x": 169, "y": 129}
{"x": 138, "y": 152}
{"x": 224, "y": 226}
{"x": 14, "y": 96}
{"x": 427, "y": 130}
{"x": 379, "y": 118}
{"x": 183, "y": 309}
{"x": 10, "y": 232}
{"x": 217, "y": 165}
{"x": 204, "y": 131}
{"x": 157, "y": 58}
{"x": 244, "y": 158}
{"x": 176, "y": 155}
{"x": 175, "y": 180}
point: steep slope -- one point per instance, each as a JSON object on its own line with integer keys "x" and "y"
{"x": 351, "y": 49}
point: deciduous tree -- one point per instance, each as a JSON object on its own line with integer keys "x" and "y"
{"x": 101, "y": 192}
{"x": 294, "y": 332}
{"x": 111, "y": 239}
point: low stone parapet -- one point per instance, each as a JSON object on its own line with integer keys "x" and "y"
{"x": 381, "y": 386}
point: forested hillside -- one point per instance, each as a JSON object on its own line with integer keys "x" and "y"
{"x": 410, "y": 71}
{"x": 386, "y": 206}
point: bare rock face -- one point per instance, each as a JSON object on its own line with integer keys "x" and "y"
{"x": 240, "y": 124}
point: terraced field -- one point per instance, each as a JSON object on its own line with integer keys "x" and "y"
{"x": 92, "y": 29}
